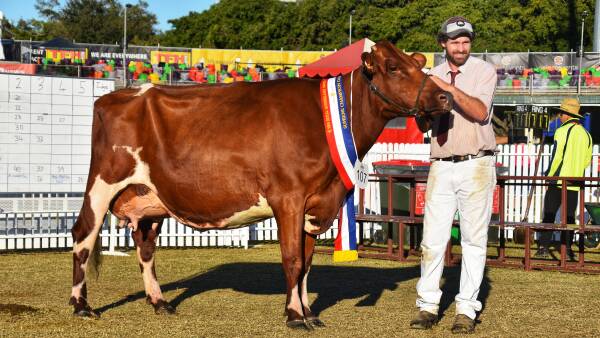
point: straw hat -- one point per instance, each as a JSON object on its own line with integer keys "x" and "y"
{"x": 570, "y": 106}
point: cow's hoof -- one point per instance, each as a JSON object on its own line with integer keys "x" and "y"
{"x": 315, "y": 322}
{"x": 299, "y": 324}
{"x": 163, "y": 308}
{"x": 87, "y": 313}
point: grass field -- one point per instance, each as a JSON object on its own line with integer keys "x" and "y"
{"x": 240, "y": 293}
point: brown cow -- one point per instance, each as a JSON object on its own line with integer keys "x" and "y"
{"x": 228, "y": 156}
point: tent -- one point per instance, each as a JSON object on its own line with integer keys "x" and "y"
{"x": 59, "y": 43}
{"x": 343, "y": 61}
{"x": 347, "y": 59}
{"x": 59, "y": 49}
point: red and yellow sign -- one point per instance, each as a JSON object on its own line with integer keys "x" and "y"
{"x": 60, "y": 54}
{"x": 157, "y": 56}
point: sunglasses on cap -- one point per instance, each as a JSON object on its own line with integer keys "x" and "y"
{"x": 459, "y": 26}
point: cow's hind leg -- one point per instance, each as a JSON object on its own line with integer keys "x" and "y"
{"x": 309, "y": 249}
{"x": 86, "y": 250}
{"x": 145, "y": 239}
{"x": 84, "y": 240}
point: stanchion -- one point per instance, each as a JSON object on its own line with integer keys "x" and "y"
{"x": 112, "y": 239}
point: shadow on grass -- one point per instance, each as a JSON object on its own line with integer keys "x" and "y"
{"x": 332, "y": 284}
{"x": 451, "y": 285}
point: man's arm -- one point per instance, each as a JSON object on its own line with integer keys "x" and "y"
{"x": 471, "y": 106}
{"x": 557, "y": 153}
{"x": 476, "y": 107}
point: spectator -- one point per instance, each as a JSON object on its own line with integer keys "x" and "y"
{"x": 571, "y": 154}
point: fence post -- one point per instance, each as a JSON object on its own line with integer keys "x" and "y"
{"x": 112, "y": 238}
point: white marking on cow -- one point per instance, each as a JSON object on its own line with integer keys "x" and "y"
{"x": 304, "y": 291}
{"x": 76, "y": 290}
{"x": 295, "y": 304}
{"x": 102, "y": 193}
{"x": 143, "y": 88}
{"x": 262, "y": 210}
{"x": 150, "y": 283}
{"x": 100, "y": 196}
{"x": 309, "y": 227}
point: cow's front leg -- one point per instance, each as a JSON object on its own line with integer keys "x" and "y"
{"x": 145, "y": 241}
{"x": 290, "y": 229}
{"x": 309, "y": 249}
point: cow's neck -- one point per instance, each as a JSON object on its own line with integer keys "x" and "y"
{"x": 368, "y": 118}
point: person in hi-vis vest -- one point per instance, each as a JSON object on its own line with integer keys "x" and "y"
{"x": 571, "y": 155}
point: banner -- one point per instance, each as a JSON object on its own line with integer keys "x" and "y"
{"x": 508, "y": 60}
{"x": 116, "y": 52}
{"x": 270, "y": 59}
{"x": 17, "y": 68}
{"x": 590, "y": 59}
{"x": 551, "y": 59}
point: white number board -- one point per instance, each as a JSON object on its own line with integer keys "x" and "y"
{"x": 45, "y": 132}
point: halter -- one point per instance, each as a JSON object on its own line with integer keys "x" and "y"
{"x": 410, "y": 112}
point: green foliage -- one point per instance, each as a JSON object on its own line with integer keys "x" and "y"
{"x": 501, "y": 25}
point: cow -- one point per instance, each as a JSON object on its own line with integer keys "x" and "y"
{"x": 228, "y": 156}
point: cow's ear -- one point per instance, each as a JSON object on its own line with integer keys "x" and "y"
{"x": 367, "y": 61}
{"x": 420, "y": 58}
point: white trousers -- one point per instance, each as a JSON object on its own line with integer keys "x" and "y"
{"x": 468, "y": 187}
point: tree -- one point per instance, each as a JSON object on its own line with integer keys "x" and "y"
{"x": 91, "y": 21}
{"x": 501, "y": 25}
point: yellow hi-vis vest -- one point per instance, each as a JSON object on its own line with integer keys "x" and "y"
{"x": 572, "y": 151}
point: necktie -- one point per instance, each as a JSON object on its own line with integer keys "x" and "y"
{"x": 442, "y": 134}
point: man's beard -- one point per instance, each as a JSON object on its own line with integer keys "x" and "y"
{"x": 455, "y": 61}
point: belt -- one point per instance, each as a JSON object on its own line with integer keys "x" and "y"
{"x": 461, "y": 158}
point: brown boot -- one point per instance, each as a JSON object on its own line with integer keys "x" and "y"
{"x": 424, "y": 321}
{"x": 463, "y": 324}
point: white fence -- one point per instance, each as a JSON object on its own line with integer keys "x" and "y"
{"x": 44, "y": 222}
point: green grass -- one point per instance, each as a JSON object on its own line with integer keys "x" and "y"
{"x": 240, "y": 293}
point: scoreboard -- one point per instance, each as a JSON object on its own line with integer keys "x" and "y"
{"x": 45, "y": 132}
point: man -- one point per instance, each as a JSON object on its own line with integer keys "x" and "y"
{"x": 462, "y": 177}
{"x": 572, "y": 153}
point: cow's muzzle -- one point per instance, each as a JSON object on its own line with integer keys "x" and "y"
{"x": 446, "y": 100}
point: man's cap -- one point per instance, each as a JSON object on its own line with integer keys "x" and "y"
{"x": 570, "y": 106}
{"x": 454, "y": 27}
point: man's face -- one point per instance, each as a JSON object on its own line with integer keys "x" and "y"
{"x": 458, "y": 50}
{"x": 564, "y": 117}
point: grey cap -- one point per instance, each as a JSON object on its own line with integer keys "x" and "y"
{"x": 454, "y": 27}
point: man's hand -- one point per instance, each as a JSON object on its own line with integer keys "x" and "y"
{"x": 445, "y": 86}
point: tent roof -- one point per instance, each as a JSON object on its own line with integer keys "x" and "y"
{"x": 59, "y": 43}
{"x": 343, "y": 61}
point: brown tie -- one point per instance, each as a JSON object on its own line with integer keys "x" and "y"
{"x": 442, "y": 134}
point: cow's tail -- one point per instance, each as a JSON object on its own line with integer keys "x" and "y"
{"x": 95, "y": 261}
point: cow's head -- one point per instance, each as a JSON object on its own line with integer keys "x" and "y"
{"x": 397, "y": 79}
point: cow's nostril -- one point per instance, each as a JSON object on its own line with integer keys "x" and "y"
{"x": 446, "y": 98}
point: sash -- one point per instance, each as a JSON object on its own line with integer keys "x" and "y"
{"x": 338, "y": 129}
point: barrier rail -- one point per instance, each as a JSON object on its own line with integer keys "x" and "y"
{"x": 399, "y": 223}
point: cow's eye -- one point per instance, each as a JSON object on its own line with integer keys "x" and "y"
{"x": 393, "y": 67}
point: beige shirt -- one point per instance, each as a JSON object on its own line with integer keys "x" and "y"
{"x": 477, "y": 78}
